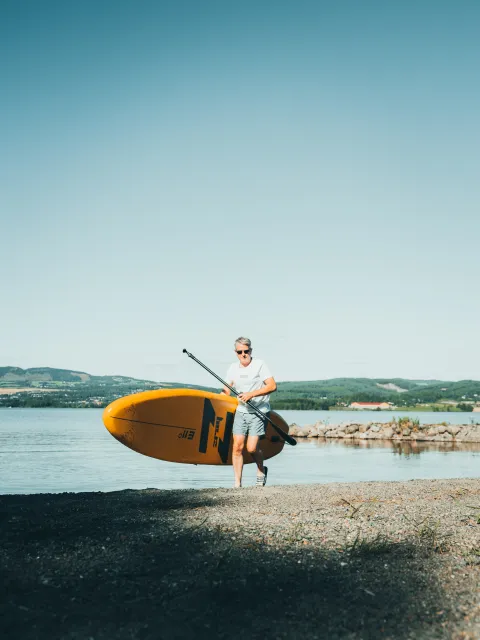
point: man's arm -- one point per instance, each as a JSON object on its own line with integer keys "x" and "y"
{"x": 226, "y": 390}
{"x": 269, "y": 386}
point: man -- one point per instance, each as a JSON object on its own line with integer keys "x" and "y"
{"x": 253, "y": 381}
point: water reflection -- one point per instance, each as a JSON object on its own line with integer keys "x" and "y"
{"x": 399, "y": 447}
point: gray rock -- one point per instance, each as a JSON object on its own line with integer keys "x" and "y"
{"x": 453, "y": 430}
{"x": 363, "y": 428}
{"x": 304, "y": 432}
{"x": 294, "y": 429}
{"x": 387, "y": 432}
{"x": 406, "y": 432}
{"x": 333, "y": 427}
{"x": 467, "y": 437}
{"x": 298, "y": 432}
{"x": 442, "y": 437}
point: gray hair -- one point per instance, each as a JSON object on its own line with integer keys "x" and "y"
{"x": 244, "y": 341}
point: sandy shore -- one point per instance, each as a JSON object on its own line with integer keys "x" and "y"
{"x": 373, "y": 560}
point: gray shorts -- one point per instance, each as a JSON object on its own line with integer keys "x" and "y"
{"x": 248, "y": 424}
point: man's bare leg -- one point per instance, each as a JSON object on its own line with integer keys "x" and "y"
{"x": 256, "y": 453}
{"x": 237, "y": 458}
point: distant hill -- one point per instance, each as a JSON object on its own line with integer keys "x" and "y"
{"x": 48, "y": 374}
{"x": 399, "y": 391}
{"x": 47, "y": 377}
{"x": 46, "y": 386}
{"x": 49, "y": 387}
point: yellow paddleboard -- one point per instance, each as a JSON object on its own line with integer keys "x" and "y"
{"x": 184, "y": 425}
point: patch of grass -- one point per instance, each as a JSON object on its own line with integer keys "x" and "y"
{"x": 369, "y": 546}
{"x": 354, "y": 509}
{"x": 407, "y": 423}
{"x": 472, "y": 556}
{"x": 476, "y": 515}
{"x": 429, "y": 534}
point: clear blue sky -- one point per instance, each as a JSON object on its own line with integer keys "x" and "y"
{"x": 175, "y": 174}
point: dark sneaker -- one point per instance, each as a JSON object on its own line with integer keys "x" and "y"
{"x": 262, "y": 480}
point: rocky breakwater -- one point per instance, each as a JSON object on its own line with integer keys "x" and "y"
{"x": 402, "y": 429}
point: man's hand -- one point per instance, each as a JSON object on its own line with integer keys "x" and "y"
{"x": 245, "y": 397}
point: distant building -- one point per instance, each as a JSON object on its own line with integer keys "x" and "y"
{"x": 370, "y": 405}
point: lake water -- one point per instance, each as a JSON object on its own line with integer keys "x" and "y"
{"x": 57, "y": 450}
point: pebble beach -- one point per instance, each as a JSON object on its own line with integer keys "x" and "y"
{"x": 391, "y": 560}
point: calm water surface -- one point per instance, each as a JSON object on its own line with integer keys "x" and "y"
{"x": 56, "y": 450}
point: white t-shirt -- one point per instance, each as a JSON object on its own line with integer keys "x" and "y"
{"x": 250, "y": 378}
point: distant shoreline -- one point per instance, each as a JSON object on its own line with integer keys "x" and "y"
{"x": 474, "y": 414}
{"x": 423, "y": 409}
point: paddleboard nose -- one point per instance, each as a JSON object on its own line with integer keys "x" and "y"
{"x": 116, "y": 417}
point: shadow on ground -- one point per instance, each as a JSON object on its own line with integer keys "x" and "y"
{"x": 136, "y": 565}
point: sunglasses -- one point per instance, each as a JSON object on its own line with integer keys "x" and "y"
{"x": 240, "y": 351}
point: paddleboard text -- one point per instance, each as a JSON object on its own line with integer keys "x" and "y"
{"x": 187, "y": 434}
{"x": 210, "y": 419}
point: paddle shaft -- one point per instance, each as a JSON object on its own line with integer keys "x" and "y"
{"x": 280, "y": 432}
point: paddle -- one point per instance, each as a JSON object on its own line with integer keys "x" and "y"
{"x": 280, "y": 432}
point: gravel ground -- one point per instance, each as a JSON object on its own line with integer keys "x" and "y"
{"x": 391, "y": 560}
